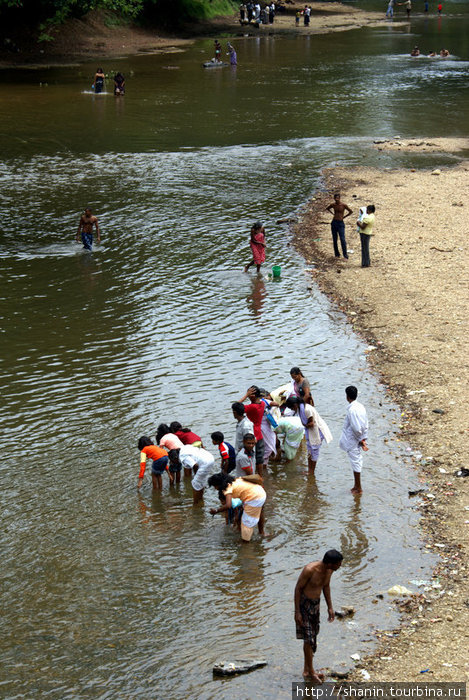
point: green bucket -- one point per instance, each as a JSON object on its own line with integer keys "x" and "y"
{"x": 276, "y": 270}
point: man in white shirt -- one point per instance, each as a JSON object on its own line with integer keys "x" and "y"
{"x": 354, "y": 435}
{"x": 243, "y": 426}
{"x": 197, "y": 463}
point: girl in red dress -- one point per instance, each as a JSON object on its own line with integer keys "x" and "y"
{"x": 257, "y": 244}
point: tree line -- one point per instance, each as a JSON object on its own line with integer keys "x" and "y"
{"x": 166, "y": 12}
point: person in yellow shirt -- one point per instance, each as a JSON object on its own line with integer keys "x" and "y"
{"x": 366, "y": 231}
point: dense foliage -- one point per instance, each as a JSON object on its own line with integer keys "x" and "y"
{"x": 166, "y": 10}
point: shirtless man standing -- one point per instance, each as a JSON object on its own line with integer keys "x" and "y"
{"x": 338, "y": 208}
{"x": 87, "y": 221}
{"x": 314, "y": 578}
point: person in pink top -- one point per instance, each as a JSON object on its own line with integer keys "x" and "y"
{"x": 257, "y": 244}
{"x": 165, "y": 438}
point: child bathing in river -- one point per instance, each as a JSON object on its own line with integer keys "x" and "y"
{"x": 159, "y": 464}
{"x": 258, "y": 246}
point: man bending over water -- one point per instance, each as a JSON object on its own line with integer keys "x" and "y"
{"x": 87, "y": 221}
{"x": 314, "y": 579}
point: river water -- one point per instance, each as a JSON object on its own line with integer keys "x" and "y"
{"x": 108, "y": 593}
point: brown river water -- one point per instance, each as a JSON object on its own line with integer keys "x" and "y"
{"x": 110, "y": 593}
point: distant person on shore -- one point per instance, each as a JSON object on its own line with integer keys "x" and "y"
{"x": 119, "y": 85}
{"x": 340, "y": 210}
{"x": 159, "y": 463}
{"x": 257, "y": 243}
{"x": 99, "y": 81}
{"x": 426, "y": 7}
{"x": 440, "y": 8}
{"x": 390, "y": 10}
{"x": 366, "y": 231}
{"x": 85, "y": 227}
{"x": 306, "y": 15}
{"x": 257, "y": 12}
{"x": 252, "y": 495}
{"x": 271, "y": 13}
{"x": 297, "y": 18}
{"x": 242, "y": 12}
{"x": 314, "y": 580}
{"x": 354, "y": 435}
{"x": 249, "y": 10}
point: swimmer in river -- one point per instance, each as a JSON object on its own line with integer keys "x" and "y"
{"x": 85, "y": 227}
{"x": 99, "y": 81}
{"x": 415, "y": 51}
{"x": 444, "y": 53}
{"x": 314, "y": 580}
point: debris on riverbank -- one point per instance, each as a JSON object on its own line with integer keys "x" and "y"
{"x": 411, "y": 306}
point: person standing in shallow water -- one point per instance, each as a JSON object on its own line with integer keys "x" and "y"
{"x": 339, "y": 209}
{"x": 314, "y": 580}
{"x": 85, "y": 227}
{"x": 354, "y": 436}
{"x": 99, "y": 81}
{"x": 258, "y": 246}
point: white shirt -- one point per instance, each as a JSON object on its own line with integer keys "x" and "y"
{"x": 355, "y": 426}
{"x": 189, "y": 456}
{"x": 243, "y": 427}
{"x": 319, "y": 425}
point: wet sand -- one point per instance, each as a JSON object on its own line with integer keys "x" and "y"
{"x": 411, "y": 306}
{"x": 95, "y": 37}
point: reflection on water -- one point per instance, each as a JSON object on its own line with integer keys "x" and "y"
{"x": 127, "y": 594}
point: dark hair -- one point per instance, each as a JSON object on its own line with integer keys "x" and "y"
{"x": 250, "y": 436}
{"x": 174, "y": 456}
{"x": 238, "y": 408}
{"x": 162, "y": 430}
{"x": 220, "y": 481}
{"x": 257, "y": 225}
{"x": 99, "y": 70}
{"x": 144, "y": 441}
{"x": 257, "y": 391}
{"x": 293, "y": 402}
{"x": 175, "y": 426}
{"x": 337, "y": 194}
{"x": 263, "y": 392}
{"x": 296, "y": 370}
{"x": 351, "y": 392}
{"x": 332, "y": 556}
{"x": 371, "y": 207}
{"x": 217, "y": 436}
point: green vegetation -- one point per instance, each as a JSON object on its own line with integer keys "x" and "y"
{"x": 168, "y": 11}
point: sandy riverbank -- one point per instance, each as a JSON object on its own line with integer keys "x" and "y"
{"x": 97, "y": 36}
{"x": 412, "y": 307}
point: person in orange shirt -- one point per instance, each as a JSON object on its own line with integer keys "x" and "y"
{"x": 159, "y": 466}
